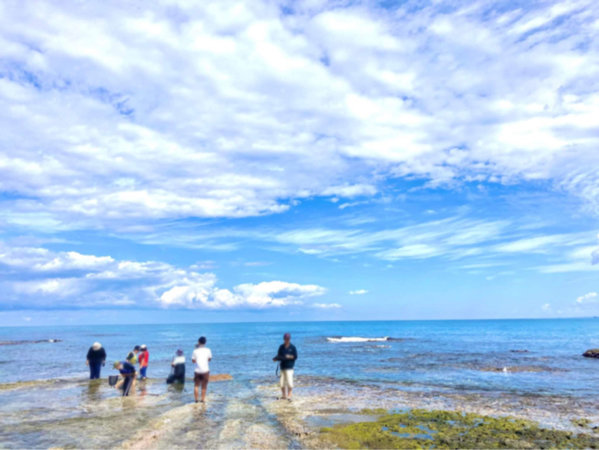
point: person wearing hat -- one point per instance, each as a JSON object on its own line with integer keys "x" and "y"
{"x": 132, "y": 356}
{"x": 286, "y": 356}
{"x": 144, "y": 359}
{"x": 178, "y": 369}
{"x": 96, "y": 358}
{"x": 127, "y": 371}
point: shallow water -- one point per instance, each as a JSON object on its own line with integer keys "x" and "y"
{"x": 526, "y": 367}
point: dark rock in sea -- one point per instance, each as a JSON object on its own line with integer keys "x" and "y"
{"x": 519, "y": 351}
{"x": 592, "y": 353}
{"x": 39, "y": 341}
{"x": 518, "y": 369}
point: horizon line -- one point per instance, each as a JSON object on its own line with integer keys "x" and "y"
{"x": 303, "y": 321}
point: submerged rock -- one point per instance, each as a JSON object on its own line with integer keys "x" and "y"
{"x": 592, "y": 353}
{"x": 39, "y": 341}
{"x": 517, "y": 369}
{"x": 221, "y": 377}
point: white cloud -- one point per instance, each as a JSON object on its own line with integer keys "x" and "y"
{"x": 199, "y": 290}
{"x": 591, "y": 297}
{"x": 234, "y": 109}
{"x": 358, "y": 292}
{"x": 350, "y": 191}
{"x": 574, "y": 259}
{"x": 54, "y": 279}
{"x": 326, "y": 305}
{"x": 55, "y": 287}
{"x": 411, "y": 251}
{"x": 536, "y": 244}
{"x": 256, "y": 263}
{"x": 546, "y": 307}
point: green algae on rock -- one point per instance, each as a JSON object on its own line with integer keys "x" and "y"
{"x": 451, "y": 429}
{"x": 581, "y": 422}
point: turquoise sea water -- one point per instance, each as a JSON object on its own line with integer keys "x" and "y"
{"x": 489, "y": 359}
{"x": 459, "y": 355}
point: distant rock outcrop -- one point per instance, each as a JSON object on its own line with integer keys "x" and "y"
{"x": 592, "y": 353}
{"x": 39, "y": 341}
{"x": 516, "y": 369}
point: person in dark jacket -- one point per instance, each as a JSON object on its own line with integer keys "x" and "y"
{"x": 127, "y": 371}
{"x": 178, "y": 369}
{"x": 286, "y": 356}
{"x": 96, "y": 358}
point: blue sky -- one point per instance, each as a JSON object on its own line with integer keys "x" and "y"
{"x": 314, "y": 160}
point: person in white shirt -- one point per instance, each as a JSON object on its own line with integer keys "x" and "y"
{"x": 201, "y": 358}
{"x": 178, "y": 369}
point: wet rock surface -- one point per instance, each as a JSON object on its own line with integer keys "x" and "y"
{"x": 245, "y": 414}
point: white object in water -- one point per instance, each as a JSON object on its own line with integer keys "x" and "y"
{"x": 357, "y": 339}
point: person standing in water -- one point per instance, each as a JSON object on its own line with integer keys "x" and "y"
{"x": 144, "y": 359}
{"x": 132, "y": 356}
{"x": 286, "y": 356}
{"x": 96, "y": 358}
{"x": 178, "y": 369}
{"x": 201, "y": 357}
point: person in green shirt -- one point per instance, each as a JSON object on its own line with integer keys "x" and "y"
{"x": 132, "y": 356}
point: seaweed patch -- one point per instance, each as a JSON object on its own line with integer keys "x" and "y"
{"x": 451, "y": 429}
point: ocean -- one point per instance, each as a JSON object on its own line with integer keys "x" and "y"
{"x": 46, "y": 399}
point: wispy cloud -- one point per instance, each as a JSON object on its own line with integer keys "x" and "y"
{"x": 358, "y": 292}
{"x": 326, "y": 305}
{"x": 482, "y": 243}
{"x": 453, "y": 236}
{"x": 595, "y": 255}
{"x": 541, "y": 243}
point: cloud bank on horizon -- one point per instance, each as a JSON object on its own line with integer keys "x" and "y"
{"x": 126, "y": 121}
{"x": 52, "y": 279}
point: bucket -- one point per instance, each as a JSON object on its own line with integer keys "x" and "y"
{"x": 112, "y": 379}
